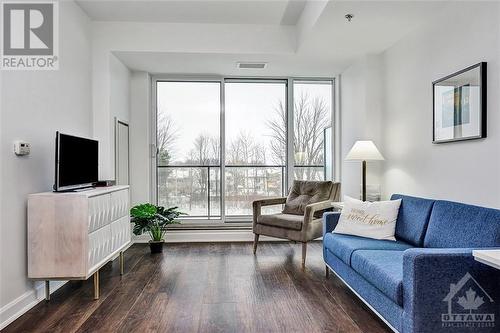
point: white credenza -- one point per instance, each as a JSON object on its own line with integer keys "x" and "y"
{"x": 71, "y": 235}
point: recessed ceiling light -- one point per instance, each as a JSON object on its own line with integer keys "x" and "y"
{"x": 349, "y": 17}
{"x": 252, "y": 65}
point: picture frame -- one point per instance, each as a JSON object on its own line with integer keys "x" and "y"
{"x": 459, "y": 110}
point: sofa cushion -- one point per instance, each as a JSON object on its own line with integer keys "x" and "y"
{"x": 386, "y": 307}
{"x": 286, "y": 221}
{"x": 454, "y": 224}
{"x": 343, "y": 246}
{"x": 304, "y": 193}
{"x": 413, "y": 218}
{"x": 383, "y": 269}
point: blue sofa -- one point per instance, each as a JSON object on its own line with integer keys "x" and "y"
{"x": 427, "y": 280}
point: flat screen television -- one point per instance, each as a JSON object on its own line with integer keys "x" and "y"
{"x": 76, "y": 162}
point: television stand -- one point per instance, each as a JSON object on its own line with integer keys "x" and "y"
{"x": 83, "y": 189}
{"x": 71, "y": 235}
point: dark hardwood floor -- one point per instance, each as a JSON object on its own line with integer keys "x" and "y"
{"x": 209, "y": 287}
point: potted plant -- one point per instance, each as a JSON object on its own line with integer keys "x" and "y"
{"x": 153, "y": 220}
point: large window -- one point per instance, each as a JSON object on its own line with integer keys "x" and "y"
{"x": 255, "y": 150}
{"x": 215, "y": 156}
{"x": 312, "y": 118}
{"x": 188, "y": 146}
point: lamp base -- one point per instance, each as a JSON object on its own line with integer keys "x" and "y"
{"x": 363, "y": 177}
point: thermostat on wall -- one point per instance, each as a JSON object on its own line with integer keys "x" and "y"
{"x": 21, "y": 148}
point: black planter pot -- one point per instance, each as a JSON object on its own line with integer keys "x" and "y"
{"x": 156, "y": 246}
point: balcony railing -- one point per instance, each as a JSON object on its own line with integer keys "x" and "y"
{"x": 196, "y": 189}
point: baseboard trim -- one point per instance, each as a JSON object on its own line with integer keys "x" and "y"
{"x": 207, "y": 236}
{"x": 19, "y": 306}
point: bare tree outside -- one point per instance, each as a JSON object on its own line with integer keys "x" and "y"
{"x": 311, "y": 117}
{"x": 246, "y": 180}
{"x": 166, "y": 137}
{"x": 278, "y": 137}
{"x": 245, "y": 149}
{"x": 205, "y": 152}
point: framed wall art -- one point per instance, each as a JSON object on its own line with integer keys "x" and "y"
{"x": 459, "y": 105}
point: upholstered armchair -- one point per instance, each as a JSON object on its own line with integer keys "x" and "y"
{"x": 300, "y": 219}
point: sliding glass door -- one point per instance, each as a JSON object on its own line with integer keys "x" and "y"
{"x": 188, "y": 147}
{"x": 255, "y": 143}
{"x": 222, "y": 144}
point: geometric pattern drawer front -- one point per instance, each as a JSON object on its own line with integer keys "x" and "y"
{"x": 99, "y": 211}
{"x": 119, "y": 204}
{"x": 120, "y": 233}
{"x": 99, "y": 245}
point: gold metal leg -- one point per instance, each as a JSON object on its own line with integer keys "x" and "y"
{"x": 96, "y": 285}
{"x": 255, "y": 241}
{"x": 304, "y": 251}
{"x": 122, "y": 263}
{"x": 47, "y": 290}
{"x": 327, "y": 271}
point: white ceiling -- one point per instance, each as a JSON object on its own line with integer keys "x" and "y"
{"x": 283, "y": 12}
{"x": 376, "y": 26}
{"x": 325, "y": 42}
{"x": 225, "y": 64}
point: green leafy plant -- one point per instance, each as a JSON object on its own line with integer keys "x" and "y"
{"x": 153, "y": 220}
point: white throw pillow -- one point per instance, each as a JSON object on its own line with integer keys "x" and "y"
{"x": 368, "y": 219}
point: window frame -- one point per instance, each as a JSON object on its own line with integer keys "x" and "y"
{"x": 202, "y": 220}
{"x": 234, "y": 221}
{"x": 246, "y": 218}
{"x": 333, "y": 124}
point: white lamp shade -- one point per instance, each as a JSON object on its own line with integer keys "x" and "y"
{"x": 364, "y": 151}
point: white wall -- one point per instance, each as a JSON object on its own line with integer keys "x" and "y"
{"x": 465, "y": 34}
{"x": 34, "y": 104}
{"x": 109, "y": 37}
{"x": 388, "y": 98}
{"x": 140, "y": 123}
{"x": 119, "y": 104}
{"x": 360, "y": 116}
{"x": 111, "y": 98}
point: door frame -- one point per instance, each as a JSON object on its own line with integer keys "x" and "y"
{"x": 289, "y": 80}
{"x": 118, "y": 122}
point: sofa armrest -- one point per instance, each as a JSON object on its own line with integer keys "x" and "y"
{"x": 330, "y": 220}
{"x": 433, "y": 281}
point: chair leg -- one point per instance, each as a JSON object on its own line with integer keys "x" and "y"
{"x": 255, "y": 241}
{"x": 304, "y": 252}
{"x": 327, "y": 271}
{"x": 47, "y": 290}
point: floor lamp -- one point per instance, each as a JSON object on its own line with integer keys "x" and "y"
{"x": 364, "y": 151}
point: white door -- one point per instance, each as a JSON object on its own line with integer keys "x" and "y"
{"x": 121, "y": 153}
